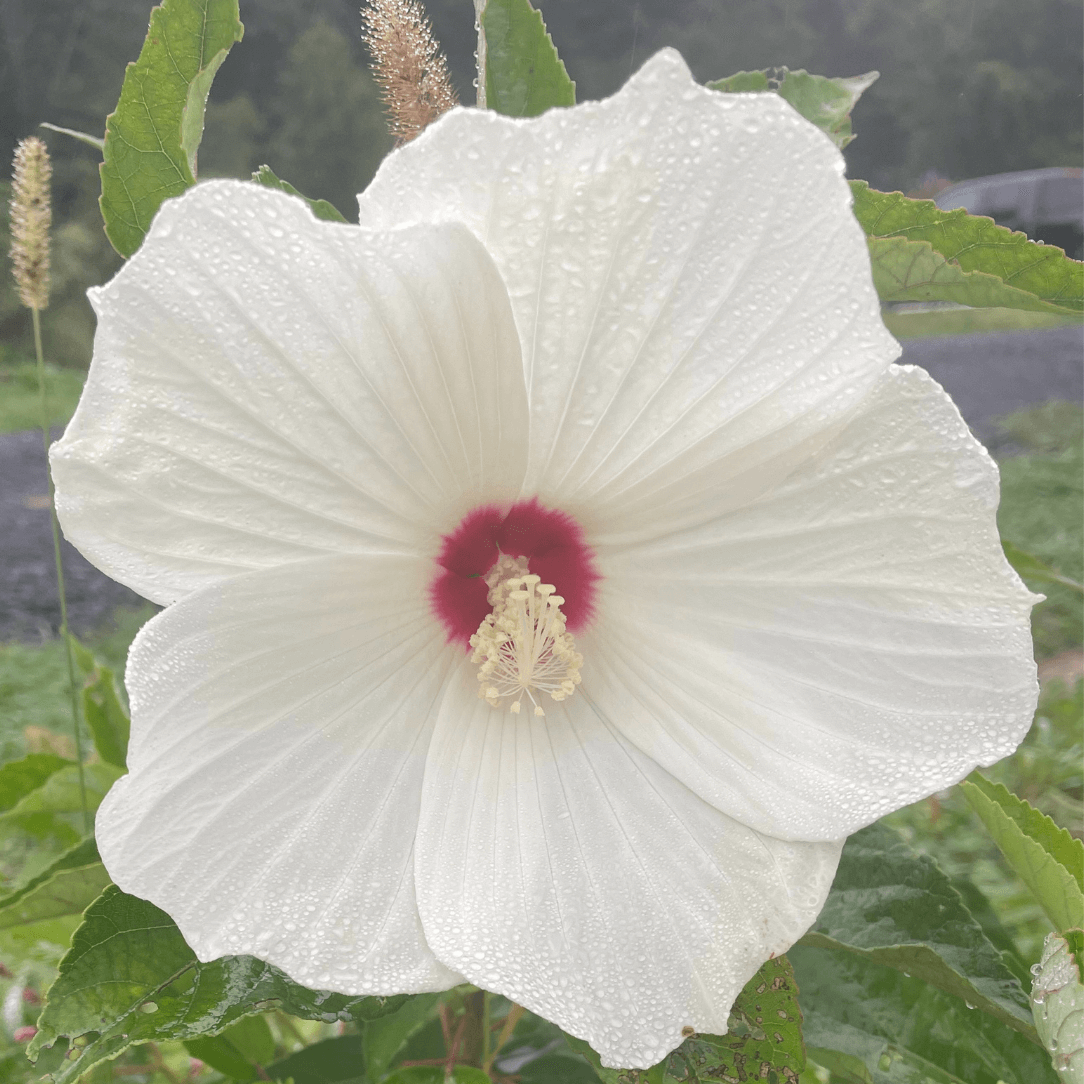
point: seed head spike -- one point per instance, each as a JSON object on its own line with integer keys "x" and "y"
{"x": 31, "y": 219}
{"x": 408, "y": 66}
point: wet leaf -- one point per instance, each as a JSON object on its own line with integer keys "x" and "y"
{"x": 319, "y": 207}
{"x": 825, "y": 101}
{"x": 895, "y": 907}
{"x": 524, "y": 74}
{"x": 1057, "y": 998}
{"x": 764, "y": 1035}
{"x": 130, "y": 978}
{"x": 903, "y": 1030}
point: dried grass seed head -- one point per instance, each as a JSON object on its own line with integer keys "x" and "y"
{"x": 408, "y": 65}
{"x": 31, "y": 219}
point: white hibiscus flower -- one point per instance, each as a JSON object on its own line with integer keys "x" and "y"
{"x": 633, "y": 344}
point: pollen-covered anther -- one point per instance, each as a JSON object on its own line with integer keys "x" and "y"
{"x": 522, "y": 645}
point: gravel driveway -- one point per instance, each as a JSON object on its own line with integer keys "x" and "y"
{"x": 987, "y": 374}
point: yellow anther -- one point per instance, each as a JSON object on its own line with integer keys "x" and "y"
{"x": 522, "y": 646}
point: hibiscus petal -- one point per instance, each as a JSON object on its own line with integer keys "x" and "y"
{"x": 280, "y": 721}
{"x": 687, "y": 278}
{"x": 559, "y": 866}
{"x": 850, "y": 643}
{"x": 267, "y": 387}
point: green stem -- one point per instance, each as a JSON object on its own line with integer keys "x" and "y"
{"x": 487, "y": 1038}
{"x": 36, "y": 315}
{"x": 510, "y": 1021}
{"x": 159, "y": 1063}
{"x": 290, "y": 1028}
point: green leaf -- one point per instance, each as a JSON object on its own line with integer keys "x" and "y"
{"x": 921, "y": 253}
{"x": 152, "y": 137}
{"x": 40, "y": 834}
{"x": 895, "y": 907}
{"x": 764, "y": 1032}
{"x": 195, "y": 104}
{"x": 1046, "y": 858}
{"x": 914, "y": 271}
{"x": 130, "y": 978}
{"x": 83, "y": 656}
{"x": 241, "y": 1051}
{"x": 1029, "y": 567}
{"x": 903, "y": 1030}
{"x": 984, "y": 914}
{"x": 19, "y": 777}
{"x": 743, "y": 83}
{"x": 1057, "y": 998}
{"x": 94, "y": 141}
{"x": 67, "y": 886}
{"x": 319, "y": 207}
{"x": 51, "y": 816}
{"x": 557, "y": 1067}
{"x": 105, "y": 715}
{"x": 844, "y": 1068}
{"x": 826, "y": 102}
{"x": 60, "y": 794}
{"x": 384, "y": 1038}
{"x": 524, "y": 75}
{"x": 327, "y": 1062}
{"x": 434, "y": 1074}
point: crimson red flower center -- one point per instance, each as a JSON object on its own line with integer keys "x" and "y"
{"x": 552, "y": 542}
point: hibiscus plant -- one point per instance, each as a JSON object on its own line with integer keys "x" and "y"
{"x": 560, "y": 580}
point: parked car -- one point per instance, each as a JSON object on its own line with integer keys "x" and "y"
{"x": 1046, "y": 204}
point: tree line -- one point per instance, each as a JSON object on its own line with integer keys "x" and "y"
{"x": 967, "y": 87}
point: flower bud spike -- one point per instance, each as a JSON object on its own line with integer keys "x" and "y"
{"x": 31, "y": 219}
{"x": 408, "y": 65}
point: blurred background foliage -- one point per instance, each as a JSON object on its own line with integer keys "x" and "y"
{"x": 967, "y": 88}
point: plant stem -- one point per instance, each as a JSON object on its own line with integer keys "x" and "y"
{"x": 158, "y": 1063}
{"x": 470, "y": 1030}
{"x": 487, "y": 1038}
{"x": 289, "y": 1027}
{"x": 510, "y": 1021}
{"x": 36, "y": 316}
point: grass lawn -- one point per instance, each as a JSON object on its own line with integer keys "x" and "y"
{"x": 20, "y": 402}
{"x": 35, "y": 708}
{"x": 936, "y": 322}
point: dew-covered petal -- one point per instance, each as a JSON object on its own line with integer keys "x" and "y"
{"x": 692, "y": 291}
{"x": 559, "y": 866}
{"x": 850, "y": 643}
{"x": 267, "y": 387}
{"x": 280, "y": 721}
